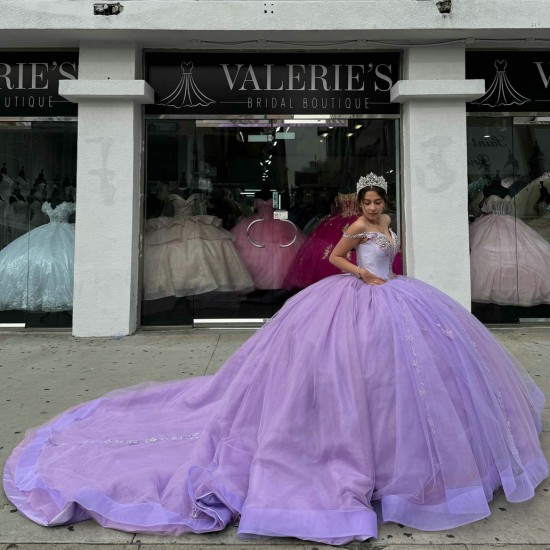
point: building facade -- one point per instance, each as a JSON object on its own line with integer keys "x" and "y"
{"x": 210, "y": 150}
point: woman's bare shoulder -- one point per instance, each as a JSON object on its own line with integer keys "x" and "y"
{"x": 386, "y": 220}
{"x": 358, "y": 226}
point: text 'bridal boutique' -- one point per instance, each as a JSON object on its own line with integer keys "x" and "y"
{"x": 37, "y": 269}
{"x": 354, "y": 404}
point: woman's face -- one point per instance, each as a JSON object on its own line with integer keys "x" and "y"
{"x": 372, "y": 206}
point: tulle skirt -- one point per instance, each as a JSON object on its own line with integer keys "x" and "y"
{"x": 509, "y": 262}
{"x": 37, "y": 270}
{"x": 190, "y": 256}
{"x": 355, "y": 404}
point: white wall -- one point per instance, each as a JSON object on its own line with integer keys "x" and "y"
{"x": 108, "y": 194}
{"x": 158, "y": 23}
{"x": 435, "y": 169}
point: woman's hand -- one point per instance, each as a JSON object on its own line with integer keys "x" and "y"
{"x": 369, "y": 278}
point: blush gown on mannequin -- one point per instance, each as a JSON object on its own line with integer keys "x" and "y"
{"x": 37, "y": 269}
{"x": 186, "y": 255}
{"x": 509, "y": 261}
{"x": 350, "y": 396}
{"x": 281, "y": 241}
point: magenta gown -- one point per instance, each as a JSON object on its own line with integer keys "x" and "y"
{"x": 273, "y": 248}
{"x": 311, "y": 264}
{"x": 353, "y": 405}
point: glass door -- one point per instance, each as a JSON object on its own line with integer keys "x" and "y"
{"x": 509, "y": 208}
{"x": 242, "y": 214}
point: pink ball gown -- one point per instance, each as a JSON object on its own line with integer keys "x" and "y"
{"x": 509, "y": 261}
{"x": 266, "y": 245}
{"x": 354, "y": 404}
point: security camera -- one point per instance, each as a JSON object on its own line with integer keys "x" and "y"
{"x": 444, "y": 6}
{"x": 107, "y": 8}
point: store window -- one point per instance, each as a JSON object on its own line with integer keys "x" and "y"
{"x": 509, "y": 209}
{"x": 250, "y": 176}
{"x": 508, "y": 186}
{"x": 241, "y": 214}
{"x": 38, "y": 137}
{"x": 37, "y": 210}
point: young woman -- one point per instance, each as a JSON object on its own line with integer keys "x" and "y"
{"x": 366, "y": 398}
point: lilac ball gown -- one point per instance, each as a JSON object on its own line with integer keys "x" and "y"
{"x": 354, "y": 404}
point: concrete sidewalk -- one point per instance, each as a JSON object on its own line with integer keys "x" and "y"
{"x": 44, "y": 373}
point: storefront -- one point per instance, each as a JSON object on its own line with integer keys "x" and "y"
{"x": 250, "y": 169}
{"x": 508, "y": 186}
{"x": 38, "y": 155}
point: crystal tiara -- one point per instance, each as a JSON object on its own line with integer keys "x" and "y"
{"x": 372, "y": 180}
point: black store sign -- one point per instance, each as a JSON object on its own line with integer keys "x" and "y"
{"x": 29, "y": 83}
{"x": 272, "y": 83}
{"x": 515, "y": 81}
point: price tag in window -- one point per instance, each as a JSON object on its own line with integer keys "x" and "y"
{"x": 280, "y": 214}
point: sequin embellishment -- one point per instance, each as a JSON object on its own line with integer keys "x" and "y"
{"x": 127, "y": 441}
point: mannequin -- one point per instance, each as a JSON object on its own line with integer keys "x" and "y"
{"x": 544, "y": 198}
{"x": 264, "y": 193}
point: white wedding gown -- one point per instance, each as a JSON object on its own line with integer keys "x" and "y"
{"x": 186, "y": 255}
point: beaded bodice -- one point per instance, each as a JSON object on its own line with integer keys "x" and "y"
{"x": 347, "y": 204}
{"x": 377, "y": 253}
{"x": 498, "y": 206}
{"x": 59, "y": 214}
{"x": 265, "y": 208}
{"x": 183, "y": 207}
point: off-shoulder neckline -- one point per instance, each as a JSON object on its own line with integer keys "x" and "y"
{"x": 363, "y": 234}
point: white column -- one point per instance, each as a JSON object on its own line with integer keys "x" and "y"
{"x": 435, "y": 167}
{"x": 108, "y": 187}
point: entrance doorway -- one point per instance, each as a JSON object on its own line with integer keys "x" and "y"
{"x": 242, "y": 213}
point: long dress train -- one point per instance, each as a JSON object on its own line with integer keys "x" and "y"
{"x": 351, "y": 398}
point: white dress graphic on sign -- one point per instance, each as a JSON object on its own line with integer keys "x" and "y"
{"x": 187, "y": 93}
{"x": 501, "y": 92}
